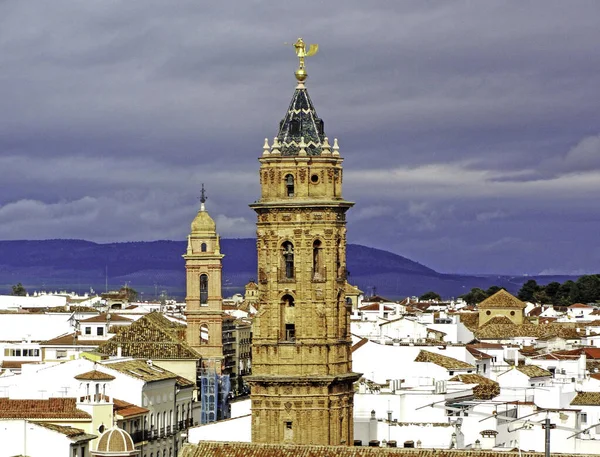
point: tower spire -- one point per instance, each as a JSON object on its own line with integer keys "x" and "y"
{"x": 203, "y": 198}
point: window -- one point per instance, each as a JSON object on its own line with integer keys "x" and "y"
{"x": 289, "y": 185}
{"x": 488, "y": 312}
{"x": 320, "y": 126}
{"x": 203, "y": 247}
{"x": 88, "y": 330}
{"x": 204, "y": 334}
{"x": 288, "y": 300}
{"x": 317, "y": 260}
{"x": 290, "y": 332}
{"x": 295, "y": 126}
{"x": 203, "y": 289}
{"x": 288, "y": 259}
{"x": 100, "y": 331}
{"x": 583, "y": 417}
{"x": 61, "y": 354}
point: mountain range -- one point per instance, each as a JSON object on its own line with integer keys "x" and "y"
{"x": 156, "y": 266}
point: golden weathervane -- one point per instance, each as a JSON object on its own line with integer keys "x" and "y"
{"x": 301, "y": 52}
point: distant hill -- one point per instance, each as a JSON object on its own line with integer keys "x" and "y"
{"x": 150, "y": 267}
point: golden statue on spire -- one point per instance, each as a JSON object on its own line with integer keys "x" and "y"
{"x": 301, "y": 52}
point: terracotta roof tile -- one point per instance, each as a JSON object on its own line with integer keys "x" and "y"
{"x": 224, "y": 449}
{"x": 72, "y": 339}
{"x": 126, "y": 409}
{"x": 486, "y": 389}
{"x": 94, "y": 375}
{"x": 52, "y": 408}
{"x": 587, "y": 399}
{"x": 533, "y": 371}
{"x": 501, "y": 299}
{"x": 103, "y": 318}
{"x": 443, "y": 361}
{"x": 140, "y": 369}
{"x": 151, "y": 337}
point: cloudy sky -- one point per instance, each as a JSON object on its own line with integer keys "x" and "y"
{"x": 470, "y": 130}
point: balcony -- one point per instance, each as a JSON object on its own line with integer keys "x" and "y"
{"x": 139, "y": 436}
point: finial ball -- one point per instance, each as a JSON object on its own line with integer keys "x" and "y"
{"x": 301, "y": 74}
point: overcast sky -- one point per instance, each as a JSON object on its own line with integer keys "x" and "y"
{"x": 470, "y": 129}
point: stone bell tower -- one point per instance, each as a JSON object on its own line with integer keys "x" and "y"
{"x": 302, "y": 381}
{"x": 204, "y": 304}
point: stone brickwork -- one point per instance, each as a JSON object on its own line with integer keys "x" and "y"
{"x": 204, "y": 304}
{"x": 302, "y": 382}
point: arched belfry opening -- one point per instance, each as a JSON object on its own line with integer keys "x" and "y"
{"x": 318, "y": 272}
{"x": 287, "y": 259}
{"x": 203, "y": 289}
{"x": 289, "y": 185}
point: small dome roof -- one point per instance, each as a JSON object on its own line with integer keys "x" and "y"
{"x": 203, "y": 223}
{"x": 115, "y": 440}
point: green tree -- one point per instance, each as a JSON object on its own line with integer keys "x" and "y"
{"x": 476, "y": 295}
{"x": 18, "y": 289}
{"x": 492, "y": 290}
{"x": 589, "y": 288}
{"x": 528, "y": 290}
{"x": 551, "y": 291}
{"x": 431, "y": 295}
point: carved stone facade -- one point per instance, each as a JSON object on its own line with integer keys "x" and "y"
{"x": 302, "y": 382}
{"x": 204, "y": 304}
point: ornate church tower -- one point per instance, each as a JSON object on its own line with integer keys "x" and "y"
{"x": 204, "y": 308}
{"x": 302, "y": 381}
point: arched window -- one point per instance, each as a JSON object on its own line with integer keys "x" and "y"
{"x": 204, "y": 334}
{"x": 203, "y": 247}
{"x": 288, "y": 301}
{"x": 203, "y": 289}
{"x": 289, "y": 185}
{"x": 317, "y": 260}
{"x": 287, "y": 253}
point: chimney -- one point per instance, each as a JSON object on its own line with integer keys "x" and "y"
{"x": 373, "y": 428}
{"x": 581, "y": 365}
{"x": 119, "y": 351}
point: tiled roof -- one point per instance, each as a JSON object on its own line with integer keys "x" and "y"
{"x": 301, "y": 122}
{"x": 151, "y": 337}
{"x": 579, "y": 305}
{"x": 184, "y": 382}
{"x": 224, "y": 449}
{"x": 126, "y": 409}
{"x": 479, "y": 355}
{"x": 71, "y": 339}
{"x": 375, "y": 307}
{"x": 587, "y": 399}
{"x": 533, "y": 371}
{"x": 140, "y": 369}
{"x": 501, "y": 299}
{"x": 560, "y": 355}
{"x": 486, "y": 389}
{"x": 536, "y": 311}
{"x": 94, "y": 375}
{"x": 499, "y": 320}
{"x": 52, "y": 408}
{"x": 443, "y": 361}
{"x": 69, "y": 432}
{"x": 103, "y": 318}
{"x": 501, "y": 331}
{"x": 360, "y": 344}
{"x": 469, "y": 320}
{"x": 592, "y": 353}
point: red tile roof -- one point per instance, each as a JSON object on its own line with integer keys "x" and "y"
{"x": 579, "y": 305}
{"x": 100, "y": 318}
{"x": 71, "y": 339}
{"x": 53, "y": 408}
{"x": 94, "y": 375}
{"x": 126, "y": 409}
{"x": 224, "y": 449}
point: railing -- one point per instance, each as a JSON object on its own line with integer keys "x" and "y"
{"x": 139, "y": 436}
{"x": 95, "y": 398}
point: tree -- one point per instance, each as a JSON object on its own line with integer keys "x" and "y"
{"x": 431, "y": 295}
{"x": 492, "y": 290}
{"x": 528, "y": 290}
{"x": 19, "y": 290}
{"x": 476, "y": 295}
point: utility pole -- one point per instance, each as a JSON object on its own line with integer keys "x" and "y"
{"x": 547, "y": 426}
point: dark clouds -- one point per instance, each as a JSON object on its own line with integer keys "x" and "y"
{"x": 470, "y": 129}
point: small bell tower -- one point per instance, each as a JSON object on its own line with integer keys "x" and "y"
{"x": 204, "y": 304}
